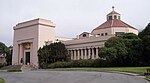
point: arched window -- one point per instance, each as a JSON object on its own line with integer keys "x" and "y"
{"x": 84, "y": 35}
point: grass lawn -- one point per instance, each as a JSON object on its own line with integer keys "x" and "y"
{"x": 1, "y": 80}
{"x": 139, "y": 70}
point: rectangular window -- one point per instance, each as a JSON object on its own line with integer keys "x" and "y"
{"x": 110, "y": 17}
{"x": 115, "y": 17}
{"x": 102, "y": 34}
{"x": 106, "y": 34}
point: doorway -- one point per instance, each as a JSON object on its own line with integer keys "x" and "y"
{"x": 27, "y": 58}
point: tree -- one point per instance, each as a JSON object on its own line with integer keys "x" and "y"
{"x": 123, "y": 50}
{"x": 52, "y": 53}
{"x": 145, "y": 36}
{"x": 5, "y": 49}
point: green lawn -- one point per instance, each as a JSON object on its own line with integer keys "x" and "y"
{"x": 1, "y": 80}
{"x": 139, "y": 70}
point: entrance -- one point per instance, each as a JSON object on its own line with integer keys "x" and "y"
{"x": 27, "y": 58}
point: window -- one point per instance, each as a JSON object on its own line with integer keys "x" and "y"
{"x": 106, "y": 34}
{"x": 98, "y": 34}
{"x": 84, "y": 35}
{"x": 110, "y": 17}
{"x": 102, "y": 34}
{"x": 118, "y": 17}
{"x": 115, "y": 17}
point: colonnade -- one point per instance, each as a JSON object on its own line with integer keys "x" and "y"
{"x": 87, "y": 53}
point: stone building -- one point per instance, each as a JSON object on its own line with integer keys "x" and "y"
{"x": 29, "y": 36}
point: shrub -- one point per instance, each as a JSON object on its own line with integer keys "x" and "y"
{"x": 60, "y": 65}
{"x": 1, "y": 65}
{"x": 2, "y": 80}
{"x": 86, "y": 63}
{"x": 14, "y": 70}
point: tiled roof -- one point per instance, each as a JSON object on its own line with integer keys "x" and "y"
{"x": 113, "y": 23}
{"x": 113, "y": 12}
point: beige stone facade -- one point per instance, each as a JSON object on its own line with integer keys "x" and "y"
{"x": 31, "y": 35}
{"x": 28, "y": 38}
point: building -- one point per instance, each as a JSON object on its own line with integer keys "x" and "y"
{"x": 29, "y": 36}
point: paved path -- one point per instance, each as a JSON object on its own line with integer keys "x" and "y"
{"x": 43, "y": 76}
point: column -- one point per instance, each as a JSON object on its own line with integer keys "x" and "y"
{"x": 97, "y": 53}
{"x": 78, "y": 54}
{"x": 81, "y": 54}
{"x": 74, "y": 54}
{"x": 89, "y": 56}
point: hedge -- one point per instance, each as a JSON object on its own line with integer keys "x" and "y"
{"x": 79, "y": 63}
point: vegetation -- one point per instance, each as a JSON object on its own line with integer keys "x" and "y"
{"x": 79, "y": 63}
{"x": 14, "y": 70}
{"x": 1, "y": 65}
{"x": 52, "y": 53}
{"x": 123, "y": 50}
{"x": 138, "y": 70}
{"x": 6, "y": 50}
{"x": 2, "y": 80}
{"x": 145, "y": 36}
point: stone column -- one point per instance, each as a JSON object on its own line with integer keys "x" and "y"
{"x": 97, "y": 53}
{"x": 78, "y": 54}
{"x": 74, "y": 54}
{"x": 81, "y": 54}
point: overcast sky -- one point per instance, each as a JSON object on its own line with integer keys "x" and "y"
{"x": 71, "y": 17}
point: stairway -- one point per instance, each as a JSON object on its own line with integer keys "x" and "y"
{"x": 28, "y": 68}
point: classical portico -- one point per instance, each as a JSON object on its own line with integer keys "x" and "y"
{"x": 84, "y": 53}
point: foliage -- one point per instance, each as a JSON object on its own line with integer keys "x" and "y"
{"x": 123, "y": 50}
{"x": 60, "y": 65}
{"x": 52, "y": 53}
{"x": 13, "y": 70}
{"x": 1, "y": 65}
{"x": 145, "y": 36}
{"x": 5, "y": 49}
{"x": 79, "y": 63}
{"x": 2, "y": 80}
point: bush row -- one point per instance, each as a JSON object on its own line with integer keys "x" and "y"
{"x": 79, "y": 63}
{"x": 2, "y": 65}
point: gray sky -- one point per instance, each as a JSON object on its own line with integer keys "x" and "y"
{"x": 71, "y": 17}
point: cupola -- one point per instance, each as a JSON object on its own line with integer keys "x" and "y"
{"x": 113, "y": 15}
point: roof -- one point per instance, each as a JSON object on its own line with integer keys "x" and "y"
{"x": 113, "y": 12}
{"x": 113, "y": 23}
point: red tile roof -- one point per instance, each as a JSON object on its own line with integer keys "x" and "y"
{"x": 113, "y": 23}
{"x": 113, "y": 12}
